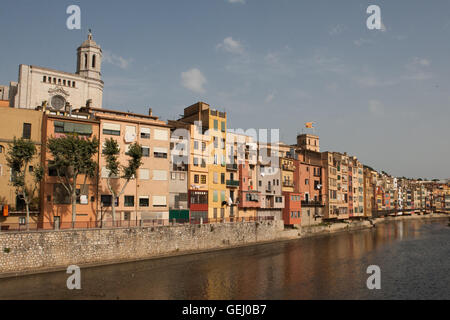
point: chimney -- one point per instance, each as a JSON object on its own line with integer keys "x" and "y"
{"x": 150, "y": 112}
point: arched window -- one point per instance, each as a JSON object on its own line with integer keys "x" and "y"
{"x": 85, "y": 60}
{"x": 93, "y": 61}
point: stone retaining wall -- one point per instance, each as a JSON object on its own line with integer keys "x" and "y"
{"x": 33, "y": 251}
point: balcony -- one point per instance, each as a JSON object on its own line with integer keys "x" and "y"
{"x": 312, "y": 203}
{"x": 287, "y": 167}
{"x": 232, "y": 167}
{"x": 216, "y": 113}
{"x": 288, "y": 184}
{"x": 232, "y": 183}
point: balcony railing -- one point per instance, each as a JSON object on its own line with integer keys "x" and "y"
{"x": 288, "y": 184}
{"x": 287, "y": 167}
{"x": 232, "y": 167}
{"x": 232, "y": 183}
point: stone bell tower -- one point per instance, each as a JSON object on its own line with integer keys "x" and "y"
{"x": 89, "y": 59}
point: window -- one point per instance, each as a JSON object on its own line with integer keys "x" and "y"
{"x": 162, "y": 135}
{"x": 22, "y": 221}
{"x": 216, "y": 125}
{"x": 145, "y": 133}
{"x": 144, "y": 201}
{"x": 111, "y": 129}
{"x": 216, "y": 142}
{"x": 145, "y": 151}
{"x": 93, "y": 61}
{"x": 174, "y": 176}
{"x": 203, "y": 163}
{"x": 307, "y": 182}
{"x": 159, "y": 201}
{"x": 222, "y": 178}
{"x": 144, "y": 174}
{"x": 182, "y": 176}
{"x": 195, "y": 145}
{"x": 203, "y": 179}
{"x": 1, "y": 149}
{"x": 82, "y": 195}
{"x": 260, "y": 183}
{"x": 215, "y": 196}
{"x": 215, "y": 177}
{"x": 106, "y": 200}
{"x": 278, "y": 199}
{"x": 222, "y": 126}
{"x": 196, "y": 178}
{"x": 26, "y": 134}
{"x": 215, "y": 213}
{"x": 195, "y": 162}
{"x": 60, "y": 194}
{"x": 160, "y": 152}
{"x": 203, "y": 146}
{"x": 222, "y": 196}
{"x": 129, "y": 201}
{"x": 44, "y": 79}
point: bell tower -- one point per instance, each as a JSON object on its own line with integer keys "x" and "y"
{"x": 89, "y": 59}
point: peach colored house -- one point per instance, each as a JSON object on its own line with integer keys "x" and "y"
{"x": 146, "y": 197}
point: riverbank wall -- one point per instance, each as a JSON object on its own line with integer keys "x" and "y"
{"x": 49, "y": 250}
{"x": 41, "y": 251}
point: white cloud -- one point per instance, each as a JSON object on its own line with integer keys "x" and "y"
{"x": 376, "y": 108}
{"x": 270, "y": 98}
{"x": 362, "y": 41}
{"x": 230, "y": 45}
{"x": 416, "y": 68}
{"x": 338, "y": 29}
{"x": 193, "y": 80}
{"x": 421, "y": 61}
{"x": 115, "y": 60}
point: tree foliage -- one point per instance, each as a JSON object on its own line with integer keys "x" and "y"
{"x": 21, "y": 153}
{"x": 111, "y": 151}
{"x": 72, "y": 157}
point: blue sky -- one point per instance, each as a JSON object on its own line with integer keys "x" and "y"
{"x": 382, "y": 95}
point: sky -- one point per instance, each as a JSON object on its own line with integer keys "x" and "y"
{"x": 381, "y": 95}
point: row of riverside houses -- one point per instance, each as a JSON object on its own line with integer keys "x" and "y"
{"x": 196, "y": 169}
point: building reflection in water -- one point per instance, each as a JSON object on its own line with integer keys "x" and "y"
{"x": 323, "y": 267}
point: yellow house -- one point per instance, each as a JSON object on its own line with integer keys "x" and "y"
{"x": 206, "y": 131}
{"x": 19, "y": 123}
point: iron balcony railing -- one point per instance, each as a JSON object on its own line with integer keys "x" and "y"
{"x": 232, "y": 183}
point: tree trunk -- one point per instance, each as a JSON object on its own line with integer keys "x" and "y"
{"x": 28, "y": 215}
{"x": 113, "y": 209}
{"x": 74, "y": 210}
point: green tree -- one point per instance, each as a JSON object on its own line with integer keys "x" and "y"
{"x": 72, "y": 158}
{"x": 20, "y": 154}
{"x": 111, "y": 151}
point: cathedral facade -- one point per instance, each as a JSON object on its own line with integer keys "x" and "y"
{"x": 57, "y": 88}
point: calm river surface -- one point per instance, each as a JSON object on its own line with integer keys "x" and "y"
{"x": 414, "y": 257}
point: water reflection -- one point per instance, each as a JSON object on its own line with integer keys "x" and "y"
{"x": 413, "y": 256}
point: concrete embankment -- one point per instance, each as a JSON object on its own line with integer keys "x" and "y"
{"x": 330, "y": 228}
{"x": 31, "y": 252}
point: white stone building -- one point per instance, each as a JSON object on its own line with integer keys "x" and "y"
{"x": 38, "y": 84}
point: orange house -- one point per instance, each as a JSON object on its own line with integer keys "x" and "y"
{"x": 56, "y": 205}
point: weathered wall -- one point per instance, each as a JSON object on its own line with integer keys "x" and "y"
{"x": 30, "y": 251}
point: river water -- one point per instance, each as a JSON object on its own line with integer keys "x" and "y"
{"x": 413, "y": 256}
